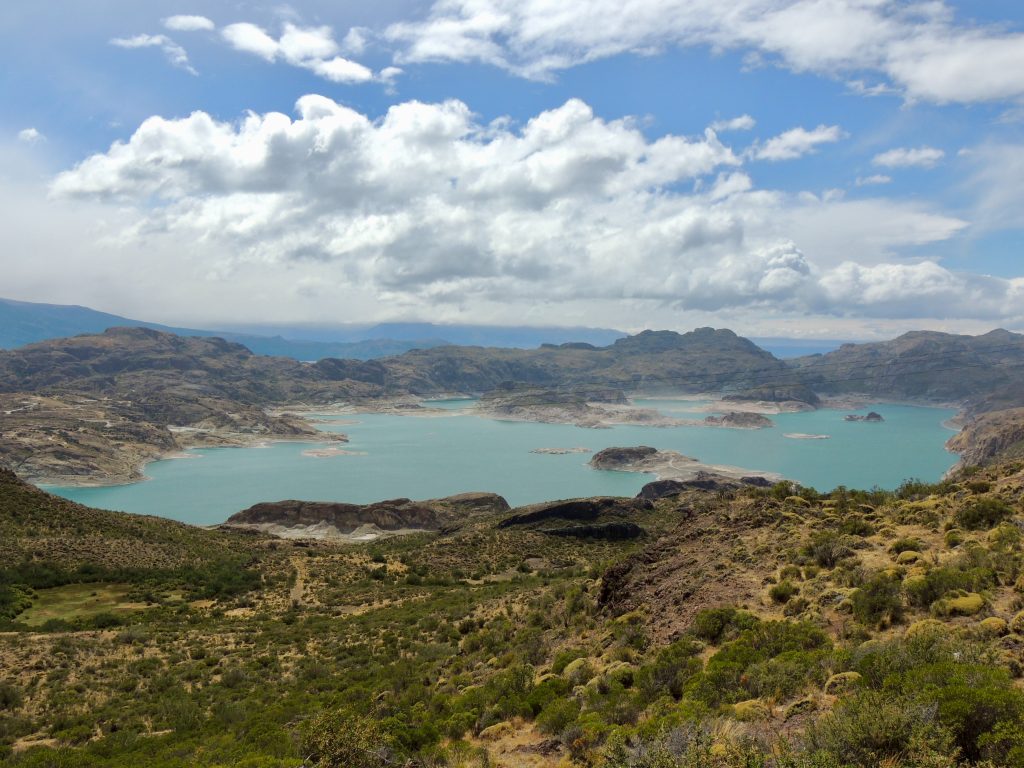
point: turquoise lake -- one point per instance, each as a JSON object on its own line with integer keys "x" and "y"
{"x": 425, "y": 457}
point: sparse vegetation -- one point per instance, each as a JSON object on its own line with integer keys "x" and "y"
{"x": 445, "y": 651}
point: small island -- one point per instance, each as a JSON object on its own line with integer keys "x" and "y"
{"x": 870, "y": 417}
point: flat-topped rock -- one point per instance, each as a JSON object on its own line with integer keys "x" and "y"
{"x": 619, "y": 458}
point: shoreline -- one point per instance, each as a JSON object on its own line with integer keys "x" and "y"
{"x": 416, "y": 407}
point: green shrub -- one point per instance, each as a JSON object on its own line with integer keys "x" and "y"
{"x": 713, "y": 624}
{"x": 871, "y": 729}
{"x": 783, "y": 591}
{"x": 982, "y": 513}
{"x": 557, "y": 716}
{"x": 827, "y": 548}
{"x": 878, "y": 601}
{"x": 905, "y": 544}
{"x": 341, "y": 739}
{"x": 10, "y": 697}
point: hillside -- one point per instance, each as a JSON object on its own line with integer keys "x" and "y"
{"x": 728, "y": 627}
{"x": 983, "y": 371}
{"x": 99, "y": 406}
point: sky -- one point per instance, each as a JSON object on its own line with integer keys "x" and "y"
{"x": 804, "y": 168}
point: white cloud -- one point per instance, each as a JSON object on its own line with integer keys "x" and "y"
{"x": 426, "y": 207}
{"x": 30, "y": 136}
{"x": 918, "y": 48}
{"x": 174, "y": 52}
{"x": 312, "y": 48}
{"x": 925, "y": 289}
{"x": 995, "y": 180}
{"x": 355, "y": 41}
{"x": 741, "y": 123}
{"x": 250, "y": 38}
{"x": 902, "y": 157}
{"x": 186, "y": 23}
{"x": 797, "y": 142}
{"x": 875, "y": 180}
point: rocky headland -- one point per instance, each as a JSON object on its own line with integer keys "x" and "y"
{"x": 670, "y": 465}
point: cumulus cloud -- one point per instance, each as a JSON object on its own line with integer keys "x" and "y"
{"x": 797, "y": 143}
{"x": 312, "y": 48}
{"x": 918, "y": 48}
{"x": 741, "y": 123}
{"x": 30, "y": 136}
{"x": 925, "y": 289}
{"x": 186, "y": 23}
{"x": 427, "y": 204}
{"x": 175, "y": 54}
{"x": 874, "y": 180}
{"x": 902, "y": 157}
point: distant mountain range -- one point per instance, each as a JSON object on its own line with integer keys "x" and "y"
{"x": 24, "y": 323}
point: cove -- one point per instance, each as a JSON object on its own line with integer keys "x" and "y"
{"x": 426, "y": 457}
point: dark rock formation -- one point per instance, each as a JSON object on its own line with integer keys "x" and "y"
{"x": 391, "y": 515}
{"x": 790, "y": 393}
{"x": 871, "y": 417}
{"x": 704, "y": 481}
{"x": 618, "y": 458}
{"x": 757, "y": 481}
{"x": 575, "y": 509}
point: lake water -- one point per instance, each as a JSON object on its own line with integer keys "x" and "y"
{"x": 422, "y": 457}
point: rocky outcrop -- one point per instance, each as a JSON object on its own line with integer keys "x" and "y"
{"x": 990, "y": 438}
{"x": 872, "y": 417}
{"x": 621, "y": 458}
{"x": 740, "y": 420}
{"x": 392, "y": 515}
{"x": 672, "y": 466}
{"x": 703, "y": 481}
{"x": 795, "y": 394}
{"x": 593, "y": 509}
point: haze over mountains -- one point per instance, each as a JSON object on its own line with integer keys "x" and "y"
{"x": 27, "y": 322}
{"x": 23, "y": 322}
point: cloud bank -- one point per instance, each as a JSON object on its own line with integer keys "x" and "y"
{"x": 426, "y": 204}
{"x": 915, "y": 48}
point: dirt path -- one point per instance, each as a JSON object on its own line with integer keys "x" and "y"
{"x": 299, "y": 589}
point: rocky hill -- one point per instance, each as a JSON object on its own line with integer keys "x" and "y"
{"x": 99, "y": 406}
{"x": 982, "y": 371}
{"x": 335, "y": 520}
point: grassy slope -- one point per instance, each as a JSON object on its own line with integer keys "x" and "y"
{"x": 543, "y": 651}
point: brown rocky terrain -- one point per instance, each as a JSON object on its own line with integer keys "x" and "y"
{"x": 95, "y": 408}
{"x": 991, "y": 437}
{"x": 978, "y": 371}
{"x": 324, "y": 519}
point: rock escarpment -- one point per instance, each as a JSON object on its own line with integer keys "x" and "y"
{"x": 991, "y": 438}
{"x": 325, "y": 519}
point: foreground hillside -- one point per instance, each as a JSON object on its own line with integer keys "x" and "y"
{"x": 718, "y": 625}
